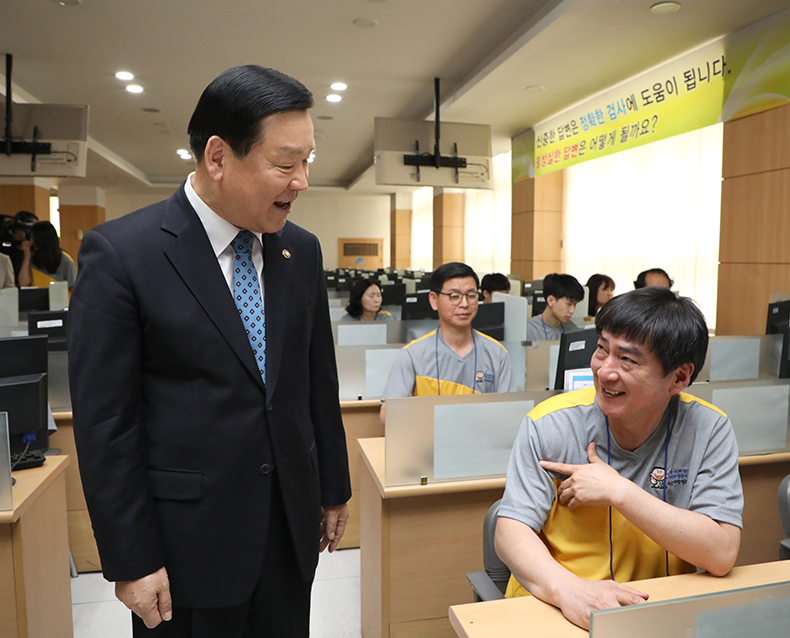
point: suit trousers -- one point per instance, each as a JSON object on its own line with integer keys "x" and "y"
{"x": 278, "y": 608}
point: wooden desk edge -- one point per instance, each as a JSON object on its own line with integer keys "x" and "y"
{"x": 23, "y": 496}
{"x": 660, "y": 589}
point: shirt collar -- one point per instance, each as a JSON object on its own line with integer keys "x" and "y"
{"x": 219, "y": 230}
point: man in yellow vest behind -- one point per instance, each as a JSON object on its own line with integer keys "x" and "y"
{"x": 454, "y": 358}
{"x": 628, "y": 480}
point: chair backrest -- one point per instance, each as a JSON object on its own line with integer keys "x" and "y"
{"x": 784, "y": 504}
{"x": 497, "y": 571}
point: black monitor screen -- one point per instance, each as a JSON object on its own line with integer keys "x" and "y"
{"x": 33, "y": 299}
{"x": 490, "y": 320}
{"x": 23, "y": 390}
{"x": 52, "y": 324}
{"x": 417, "y": 306}
{"x": 778, "y": 317}
{"x": 576, "y": 351}
{"x": 393, "y": 294}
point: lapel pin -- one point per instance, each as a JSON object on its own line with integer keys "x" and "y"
{"x": 286, "y": 253}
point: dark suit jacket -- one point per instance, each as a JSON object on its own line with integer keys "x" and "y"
{"x": 176, "y": 434}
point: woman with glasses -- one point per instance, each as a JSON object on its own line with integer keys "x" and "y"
{"x": 364, "y": 303}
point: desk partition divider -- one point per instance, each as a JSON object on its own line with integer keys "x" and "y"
{"x": 762, "y": 611}
{"x": 6, "y": 491}
{"x": 491, "y": 425}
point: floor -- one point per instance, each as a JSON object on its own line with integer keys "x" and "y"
{"x": 335, "y": 613}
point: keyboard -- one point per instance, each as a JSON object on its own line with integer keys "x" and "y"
{"x": 26, "y": 460}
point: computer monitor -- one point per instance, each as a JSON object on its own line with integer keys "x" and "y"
{"x": 576, "y": 351}
{"x": 778, "y": 317}
{"x": 531, "y": 287}
{"x": 33, "y": 299}
{"x": 393, "y": 294}
{"x": 343, "y": 283}
{"x": 417, "y": 306}
{"x": 23, "y": 391}
{"x": 423, "y": 284}
{"x": 52, "y": 324}
{"x": 490, "y": 320}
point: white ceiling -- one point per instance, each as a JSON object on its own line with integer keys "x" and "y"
{"x": 485, "y": 52}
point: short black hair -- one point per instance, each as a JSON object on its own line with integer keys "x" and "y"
{"x": 495, "y": 282}
{"x": 641, "y": 278}
{"x": 672, "y": 327}
{"x": 559, "y": 285}
{"x": 360, "y": 287}
{"x": 451, "y": 270}
{"x": 234, "y": 104}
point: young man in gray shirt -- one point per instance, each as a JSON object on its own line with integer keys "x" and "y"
{"x": 628, "y": 480}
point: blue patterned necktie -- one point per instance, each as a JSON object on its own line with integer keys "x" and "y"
{"x": 247, "y": 295}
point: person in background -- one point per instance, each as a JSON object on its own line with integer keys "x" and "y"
{"x": 601, "y": 289}
{"x": 562, "y": 293}
{"x": 454, "y": 358}
{"x": 495, "y": 282}
{"x": 653, "y": 277}
{"x": 48, "y": 257}
{"x": 364, "y": 304}
{"x": 629, "y": 479}
{"x": 16, "y": 243}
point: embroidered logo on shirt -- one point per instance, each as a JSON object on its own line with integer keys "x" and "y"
{"x": 675, "y": 477}
{"x": 657, "y": 478}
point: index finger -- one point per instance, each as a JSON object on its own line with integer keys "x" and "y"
{"x": 560, "y": 468}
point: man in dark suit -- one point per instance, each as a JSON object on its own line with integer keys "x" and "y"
{"x": 210, "y": 440}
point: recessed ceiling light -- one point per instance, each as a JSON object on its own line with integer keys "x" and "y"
{"x": 182, "y": 151}
{"x": 134, "y": 88}
{"x": 333, "y": 98}
{"x": 124, "y": 75}
{"x": 364, "y": 22}
{"x": 325, "y": 117}
{"x": 665, "y": 7}
{"x": 534, "y": 88}
{"x": 338, "y": 86}
{"x": 68, "y": 3}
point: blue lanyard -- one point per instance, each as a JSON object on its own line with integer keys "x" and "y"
{"x": 666, "y": 478}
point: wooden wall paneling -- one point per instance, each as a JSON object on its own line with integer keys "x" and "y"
{"x": 757, "y": 143}
{"x": 17, "y": 197}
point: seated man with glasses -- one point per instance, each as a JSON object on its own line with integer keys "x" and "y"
{"x": 454, "y": 358}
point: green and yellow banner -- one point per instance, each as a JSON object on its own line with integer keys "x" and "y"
{"x": 743, "y": 73}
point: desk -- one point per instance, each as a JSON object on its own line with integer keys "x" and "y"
{"x": 35, "y": 587}
{"x": 360, "y": 419}
{"x": 528, "y": 616}
{"x": 419, "y": 542}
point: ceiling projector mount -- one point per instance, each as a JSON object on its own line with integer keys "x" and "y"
{"x": 435, "y": 159}
{"x": 11, "y": 147}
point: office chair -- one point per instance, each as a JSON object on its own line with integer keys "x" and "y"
{"x": 491, "y": 582}
{"x": 784, "y": 513}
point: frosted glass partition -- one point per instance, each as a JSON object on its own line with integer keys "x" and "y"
{"x": 515, "y": 316}
{"x": 378, "y": 365}
{"x": 6, "y": 492}
{"x": 362, "y": 334}
{"x": 410, "y": 429}
{"x": 401, "y": 332}
{"x": 9, "y": 307}
{"x": 351, "y": 370}
{"x": 58, "y": 295}
{"x": 475, "y": 440}
{"x": 58, "y": 381}
{"x": 752, "y": 611}
{"x": 542, "y": 365}
{"x": 517, "y": 352}
{"x": 742, "y": 358}
{"x": 758, "y": 411}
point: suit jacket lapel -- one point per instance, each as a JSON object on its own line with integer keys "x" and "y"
{"x": 278, "y": 279}
{"x": 191, "y": 255}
